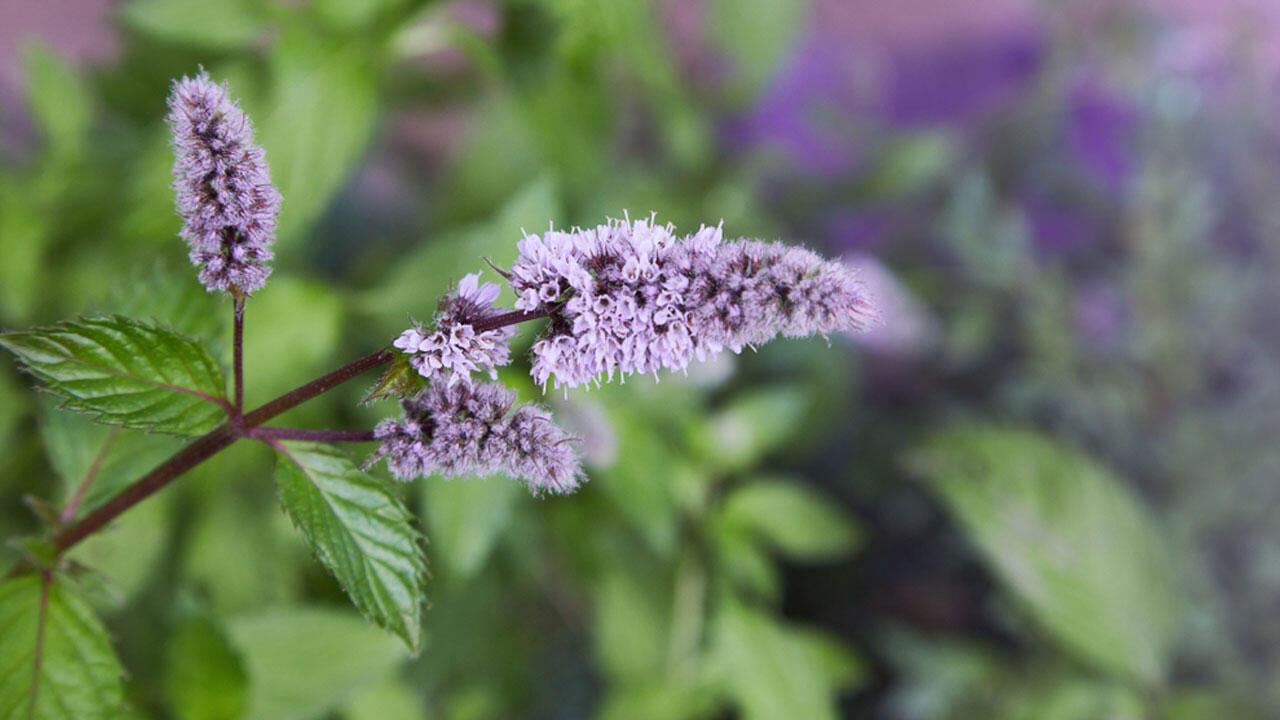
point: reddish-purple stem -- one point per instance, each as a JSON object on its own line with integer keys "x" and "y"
{"x": 274, "y": 433}
{"x": 246, "y": 425}
{"x": 237, "y": 355}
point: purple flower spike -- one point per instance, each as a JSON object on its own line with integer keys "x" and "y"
{"x": 455, "y": 350}
{"x": 636, "y": 298}
{"x": 466, "y": 429}
{"x": 224, "y": 190}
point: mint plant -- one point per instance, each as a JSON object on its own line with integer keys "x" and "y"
{"x": 624, "y": 297}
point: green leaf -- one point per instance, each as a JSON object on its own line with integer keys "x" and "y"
{"x": 360, "y": 531}
{"x": 1066, "y": 538}
{"x": 222, "y": 25}
{"x": 675, "y": 698}
{"x": 447, "y": 259}
{"x": 204, "y": 676}
{"x": 56, "y": 662}
{"x": 773, "y": 670}
{"x": 754, "y": 424}
{"x": 321, "y": 118}
{"x": 101, "y": 458}
{"x": 466, "y": 517}
{"x": 748, "y": 566}
{"x": 392, "y": 699}
{"x": 353, "y": 14}
{"x": 792, "y": 518}
{"x": 126, "y": 372}
{"x": 633, "y": 485}
{"x": 171, "y": 297}
{"x": 631, "y": 625}
{"x": 59, "y": 100}
{"x": 909, "y": 164}
{"x": 26, "y": 229}
{"x": 305, "y": 661}
{"x": 755, "y": 35}
{"x": 126, "y": 552}
{"x": 301, "y": 347}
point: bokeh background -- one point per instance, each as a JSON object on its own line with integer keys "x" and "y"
{"x": 1047, "y": 487}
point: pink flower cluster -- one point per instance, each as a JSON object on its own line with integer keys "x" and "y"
{"x": 633, "y": 297}
{"x": 464, "y": 429}
{"x": 224, "y": 190}
{"x": 454, "y": 350}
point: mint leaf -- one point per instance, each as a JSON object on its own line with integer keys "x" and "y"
{"x": 792, "y": 518}
{"x": 55, "y": 660}
{"x": 212, "y": 25}
{"x": 96, "y": 461}
{"x": 205, "y": 678}
{"x": 59, "y": 100}
{"x": 466, "y": 517}
{"x": 1066, "y": 538}
{"x": 304, "y": 661}
{"x": 325, "y": 95}
{"x": 773, "y": 669}
{"x": 126, "y": 372}
{"x": 360, "y": 531}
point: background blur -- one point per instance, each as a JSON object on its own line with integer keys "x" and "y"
{"x": 1046, "y": 488}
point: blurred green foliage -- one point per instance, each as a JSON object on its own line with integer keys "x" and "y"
{"x": 813, "y": 536}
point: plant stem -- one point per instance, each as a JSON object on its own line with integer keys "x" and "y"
{"x": 205, "y": 447}
{"x": 274, "y": 433}
{"x": 241, "y": 425}
{"x": 512, "y": 318}
{"x": 320, "y": 385}
{"x": 185, "y": 459}
{"x": 237, "y": 355}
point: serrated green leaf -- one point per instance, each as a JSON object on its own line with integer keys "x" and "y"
{"x": 126, "y": 372}
{"x": 466, "y": 516}
{"x": 304, "y": 661}
{"x": 790, "y": 517}
{"x": 1066, "y": 538}
{"x": 56, "y": 662}
{"x": 360, "y": 531}
{"x": 173, "y": 298}
{"x": 204, "y": 676}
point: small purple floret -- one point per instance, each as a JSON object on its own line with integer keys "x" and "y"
{"x": 454, "y": 349}
{"x": 224, "y": 190}
{"x": 466, "y": 429}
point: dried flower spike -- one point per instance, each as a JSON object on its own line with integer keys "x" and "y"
{"x": 465, "y": 429}
{"x": 224, "y": 190}
{"x": 636, "y": 298}
{"x": 454, "y": 349}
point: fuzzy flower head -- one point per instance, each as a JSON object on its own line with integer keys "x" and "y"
{"x": 224, "y": 190}
{"x": 454, "y": 350}
{"x": 466, "y": 429}
{"x": 634, "y": 297}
